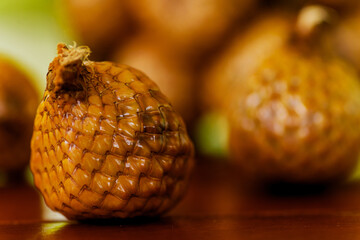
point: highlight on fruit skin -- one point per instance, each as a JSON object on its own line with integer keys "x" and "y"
{"x": 18, "y": 102}
{"x": 106, "y": 142}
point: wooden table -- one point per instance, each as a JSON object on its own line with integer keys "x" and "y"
{"x": 219, "y": 205}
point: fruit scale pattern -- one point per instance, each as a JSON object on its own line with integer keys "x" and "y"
{"x": 305, "y": 122}
{"x": 106, "y": 141}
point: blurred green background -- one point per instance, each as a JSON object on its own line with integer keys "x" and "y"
{"x": 29, "y": 33}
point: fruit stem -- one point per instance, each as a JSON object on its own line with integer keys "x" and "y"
{"x": 312, "y": 19}
{"x": 71, "y": 54}
{"x": 67, "y": 71}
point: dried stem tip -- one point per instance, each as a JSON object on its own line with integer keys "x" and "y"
{"x": 66, "y": 71}
{"x": 72, "y": 54}
{"x": 312, "y": 17}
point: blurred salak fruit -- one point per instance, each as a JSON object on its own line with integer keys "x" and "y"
{"x": 18, "y": 103}
{"x": 192, "y": 25}
{"x": 237, "y": 61}
{"x": 160, "y": 62}
{"x": 293, "y": 113}
{"x": 106, "y": 142}
{"x": 100, "y": 24}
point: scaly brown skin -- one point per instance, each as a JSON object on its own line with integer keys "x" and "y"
{"x": 106, "y": 142}
{"x": 18, "y": 102}
{"x": 296, "y": 119}
{"x": 170, "y": 73}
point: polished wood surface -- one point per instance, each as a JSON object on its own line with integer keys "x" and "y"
{"x": 219, "y": 205}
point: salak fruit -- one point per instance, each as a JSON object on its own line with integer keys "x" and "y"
{"x": 107, "y": 143}
{"x": 294, "y": 112}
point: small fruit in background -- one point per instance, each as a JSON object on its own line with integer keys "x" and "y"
{"x": 164, "y": 64}
{"x": 106, "y": 141}
{"x": 18, "y": 103}
{"x": 101, "y": 24}
{"x": 293, "y": 112}
{"x": 193, "y": 26}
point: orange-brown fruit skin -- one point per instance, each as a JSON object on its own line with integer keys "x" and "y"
{"x": 169, "y": 71}
{"x": 296, "y": 119}
{"x": 115, "y": 148}
{"x": 18, "y": 103}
